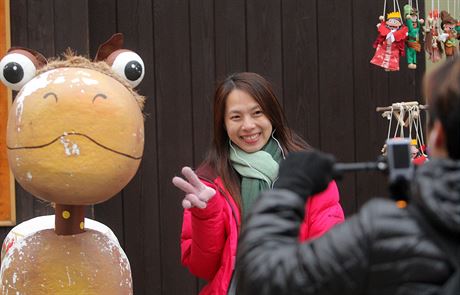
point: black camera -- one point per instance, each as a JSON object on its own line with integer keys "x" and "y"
{"x": 397, "y": 163}
{"x": 399, "y": 159}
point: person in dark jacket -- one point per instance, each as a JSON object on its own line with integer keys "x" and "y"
{"x": 383, "y": 249}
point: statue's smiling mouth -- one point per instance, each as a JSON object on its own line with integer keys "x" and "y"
{"x": 72, "y": 149}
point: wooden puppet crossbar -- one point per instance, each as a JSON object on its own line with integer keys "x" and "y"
{"x": 404, "y": 112}
{"x": 404, "y": 105}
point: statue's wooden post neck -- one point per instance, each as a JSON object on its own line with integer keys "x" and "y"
{"x": 69, "y": 219}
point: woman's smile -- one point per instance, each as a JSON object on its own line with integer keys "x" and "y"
{"x": 250, "y": 139}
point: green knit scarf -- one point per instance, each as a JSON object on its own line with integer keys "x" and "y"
{"x": 258, "y": 170}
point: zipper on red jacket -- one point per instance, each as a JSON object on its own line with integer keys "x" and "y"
{"x": 228, "y": 201}
{"x": 232, "y": 277}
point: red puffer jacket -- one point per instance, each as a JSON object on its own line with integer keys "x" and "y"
{"x": 210, "y": 236}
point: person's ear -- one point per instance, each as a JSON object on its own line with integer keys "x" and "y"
{"x": 437, "y": 139}
{"x": 439, "y": 135}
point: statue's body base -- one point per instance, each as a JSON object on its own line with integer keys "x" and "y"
{"x": 47, "y": 263}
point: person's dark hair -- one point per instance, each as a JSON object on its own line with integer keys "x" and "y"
{"x": 442, "y": 92}
{"x": 217, "y": 161}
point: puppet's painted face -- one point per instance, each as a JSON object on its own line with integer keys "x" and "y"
{"x": 393, "y": 23}
{"x": 75, "y": 136}
{"x": 449, "y": 27}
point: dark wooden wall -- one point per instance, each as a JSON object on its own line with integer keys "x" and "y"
{"x": 316, "y": 53}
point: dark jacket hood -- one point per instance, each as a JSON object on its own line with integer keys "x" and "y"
{"x": 437, "y": 192}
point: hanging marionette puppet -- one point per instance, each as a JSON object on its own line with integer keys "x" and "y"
{"x": 390, "y": 42}
{"x": 433, "y": 45}
{"x": 407, "y": 116}
{"x": 449, "y": 35}
{"x": 457, "y": 25}
{"x": 457, "y": 30}
{"x": 75, "y": 137}
{"x": 413, "y": 46}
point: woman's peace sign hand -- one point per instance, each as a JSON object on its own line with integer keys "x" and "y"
{"x": 196, "y": 193}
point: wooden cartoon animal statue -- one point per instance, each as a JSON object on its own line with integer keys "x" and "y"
{"x": 75, "y": 137}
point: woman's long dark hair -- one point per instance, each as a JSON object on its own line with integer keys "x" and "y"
{"x": 217, "y": 162}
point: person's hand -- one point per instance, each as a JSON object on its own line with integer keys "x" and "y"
{"x": 305, "y": 173}
{"x": 196, "y": 193}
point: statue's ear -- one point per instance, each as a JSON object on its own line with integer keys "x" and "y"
{"x": 19, "y": 66}
{"x": 105, "y": 49}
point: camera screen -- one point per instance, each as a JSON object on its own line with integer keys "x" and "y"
{"x": 401, "y": 156}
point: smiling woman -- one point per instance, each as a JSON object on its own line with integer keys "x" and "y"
{"x": 7, "y": 196}
{"x": 251, "y": 137}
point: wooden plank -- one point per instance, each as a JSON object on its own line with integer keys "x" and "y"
{"x": 102, "y": 17}
{"x": 336, "y": 88}
{"x": 300, "y": 68}
{"x": 203, "y": 78}
{"x": 174, "y": 132}
{"x": 370, "y": 91}
{"x": 402, "y": 85}
{"x": 203, "y": 74}
{"x": 7, "y": 193}
{"x": 40, "y": 26}
{"x": 18, "y": 21}
{"x": 230, "y": 37}
{"x": 71, "y": 26}
{"x": 264, "y": 41}
{"x": 140, "y": 196}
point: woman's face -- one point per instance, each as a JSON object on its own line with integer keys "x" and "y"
{"x": 246, "y": 124}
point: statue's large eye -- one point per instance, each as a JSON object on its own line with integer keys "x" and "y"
{"x": 130, "y": 66}
{"x": 16, "y": 70}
